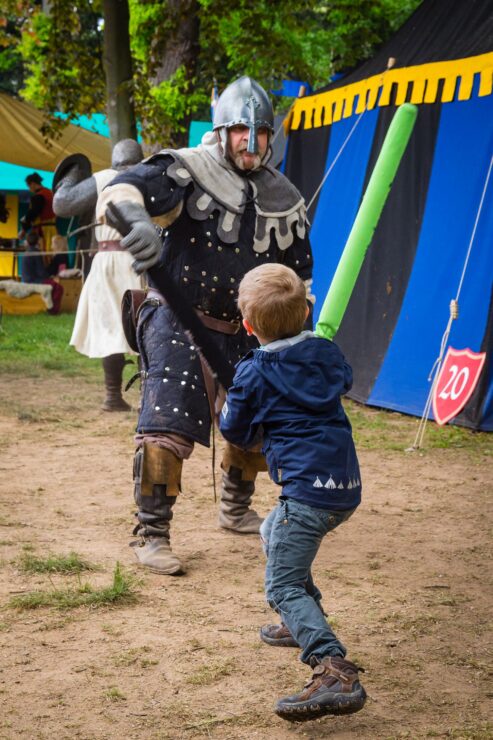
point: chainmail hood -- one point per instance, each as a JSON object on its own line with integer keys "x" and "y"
{"x": 217, "y": 185}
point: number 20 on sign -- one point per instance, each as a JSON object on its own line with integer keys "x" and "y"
{"x": 456, "y": 382}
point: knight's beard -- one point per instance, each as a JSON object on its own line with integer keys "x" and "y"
{"x": 255, "y": 162}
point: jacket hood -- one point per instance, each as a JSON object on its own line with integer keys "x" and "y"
{"x": 283, "y": 365}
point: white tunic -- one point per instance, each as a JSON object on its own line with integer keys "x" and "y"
{"x": 98, "y": 330}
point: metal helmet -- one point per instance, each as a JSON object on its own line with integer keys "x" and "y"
{"x": 126, "y": 153}
{"x": 246, "y": 103}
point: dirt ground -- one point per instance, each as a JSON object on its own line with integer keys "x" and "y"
{"x": 406, "y": 582}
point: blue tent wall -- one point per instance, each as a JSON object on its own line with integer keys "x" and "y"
{"x": 339, "y": 199}
{"x": 462, "y": 156}
{"x": 392, "y": 329}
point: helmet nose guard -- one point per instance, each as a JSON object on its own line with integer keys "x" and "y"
{"x": 244, "y": 103}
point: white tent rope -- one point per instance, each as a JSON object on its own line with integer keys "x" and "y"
{"x": 454, "y": 313}
{"x": 333, "y": 163}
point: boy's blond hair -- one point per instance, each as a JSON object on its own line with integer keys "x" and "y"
{"x": 272, "y": 298}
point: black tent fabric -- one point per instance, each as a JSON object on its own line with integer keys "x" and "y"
{"x": 391, "y": 332}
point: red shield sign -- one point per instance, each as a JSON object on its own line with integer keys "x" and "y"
{"x": 456, "y": 382}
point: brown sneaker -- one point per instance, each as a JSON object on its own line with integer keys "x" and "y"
{"x": 334, "y": 689}
{"x": 277, "y": 635}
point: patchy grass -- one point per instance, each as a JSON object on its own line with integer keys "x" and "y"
{"x": 121, "y": 591}
{"x": 134, "y": 656}
{"x": 211, "y": 672}
{"x": 114, "y": 694}
{"x": 380, "y": 429}
{"x": 71, "y": 563}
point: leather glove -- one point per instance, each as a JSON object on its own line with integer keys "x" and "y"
{"x": 143, "y": 241}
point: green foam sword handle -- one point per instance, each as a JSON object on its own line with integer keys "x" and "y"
{"x": 369, "y": 212}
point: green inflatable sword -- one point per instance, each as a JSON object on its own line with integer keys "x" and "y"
{"x": 371, "y": 207}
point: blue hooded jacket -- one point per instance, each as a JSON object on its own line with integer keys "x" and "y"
{"x": 289, "y": 394}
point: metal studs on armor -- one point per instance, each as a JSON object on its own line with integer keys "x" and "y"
{"x": 157, "y": 408}
{"x": 167, "y": 369}
{"x": 204, "y": 272}
{"x": 209, "y": 244}
{"x": 187, "y": 267}
{"x": 185, "y": 280}
{"x": 165, "y": 380}
{"x": 232, "y": 280}
{"x": 207, "y": 233}
{"x": 185, "y": 372}
{"x": 219, "y": 249}
{"x": 175, "y": 410}
{"x": 192, "y": 240}
{"x": 215, "y": 278}
{"x": 237, "y": 250}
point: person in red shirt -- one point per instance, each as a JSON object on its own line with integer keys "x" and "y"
{"x": 40, "y": 216}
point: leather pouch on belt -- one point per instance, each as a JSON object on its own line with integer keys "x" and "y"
{"x": 160, "y": 467}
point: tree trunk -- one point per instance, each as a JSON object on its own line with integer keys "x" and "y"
{"x": 118, "y": 71}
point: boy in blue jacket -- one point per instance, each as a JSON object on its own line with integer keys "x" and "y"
{"x": 288, "y": 393}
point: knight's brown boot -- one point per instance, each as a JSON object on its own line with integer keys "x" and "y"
{"x": 157, "y": 476}
{"x": 155, "y": 554}
{"x": 333, "y": 689}
{"x": 113, "y": 374}
{"x": 277, "y": 635}
{"x": 235, "y": 512}
{"x": 238, "y": 485}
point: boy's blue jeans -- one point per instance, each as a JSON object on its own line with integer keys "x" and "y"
{"x": 291, "y": 536}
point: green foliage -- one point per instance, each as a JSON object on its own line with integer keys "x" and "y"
{"x": 11, "y": 69}
{"x": 62, "y": 54}
{"x": 174, "y": 73}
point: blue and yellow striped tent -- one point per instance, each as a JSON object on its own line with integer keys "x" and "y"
{"x": 441, "y": 60}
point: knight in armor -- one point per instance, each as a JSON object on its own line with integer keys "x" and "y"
{"x": 222, "y": 211}
{"x": 98, "y": 328}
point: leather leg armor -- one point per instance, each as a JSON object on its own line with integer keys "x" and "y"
{"x": 157, "y": 479}
{"x": 238, "y": 485}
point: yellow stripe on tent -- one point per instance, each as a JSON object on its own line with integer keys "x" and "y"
{"x": 420, "y": 82}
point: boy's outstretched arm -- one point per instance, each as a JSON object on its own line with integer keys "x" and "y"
{"x": 236, "y": 420}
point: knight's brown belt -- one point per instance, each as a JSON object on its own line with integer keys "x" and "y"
{"x": 110, "y": 246}
{"x": 224, "y": 327}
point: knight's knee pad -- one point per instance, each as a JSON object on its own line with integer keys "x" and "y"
{"x": 157, "y": 476}
{"x": 242, "y": 464}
